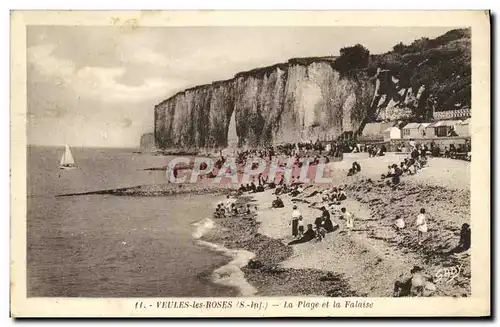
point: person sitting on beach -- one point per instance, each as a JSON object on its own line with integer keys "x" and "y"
{"x": 399, "y": 222}
{"x": 323, "y": 224}
{"x": 326, "y": 194}
{"x": 222, "y": 212}
{"x": 420, "y": 284}
{"x": 464, "y": 242}
{"x": 320, "y": 230}
{"x": 249, "y": 210}
{"x": 335, "y": 194}
{"x": 331, "y": 224}
{"x": 285, "y": 189}
{"x": 397, "y": 171}
{"x": 389, "y": 173}
{"x": 395, "y": 179}
{"x": 341, "y": 195}
{"x": 421, "y": 224}
{"x": 325, "y": 201}
{"x": 217, "y": 213}
{"x": 234, "y": 209}
{"x": 242, "y": 188}
{"x": 331, "y": 197}
{"x": 281, "y": 189}
{"x": 325, "y": 213}
{"x": 296, "y": 191}
{"x": 417, "y": 285}
{"x": 356, "y": 166}
{"x": 412, "y": 170}
{"x": 465, "y": 235}
{"x": 403, "y": 168}
{"x": 308, "y": 236}
{"x": 423, "y": 161}
{"x": 228, "y": 202}
{"x": 278, "y": 203}
{"x": 259, "y": 189}
{"x": 253, "y": 188}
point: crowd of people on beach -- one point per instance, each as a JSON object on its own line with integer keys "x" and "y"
{"x": 297, "y": 150}
{"x": 376, "y": 151}
{"x": 409, "y": 166}
{"x": 315, "y": 152}
{"x": 320, "y": 225}
{"x": 332, "y": 208}
{"x": 231, "y": 208}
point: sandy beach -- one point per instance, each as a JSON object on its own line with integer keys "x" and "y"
{"x": 369, "y": 260}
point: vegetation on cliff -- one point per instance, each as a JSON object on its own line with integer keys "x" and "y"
{"x": 442, "y": 64}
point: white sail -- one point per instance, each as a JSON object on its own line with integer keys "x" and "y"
{"x": 67, "y": 158}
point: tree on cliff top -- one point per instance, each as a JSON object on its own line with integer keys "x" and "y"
{"x": 352, "y": 58}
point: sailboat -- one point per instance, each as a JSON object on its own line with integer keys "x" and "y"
{"x": 67, "y": 161}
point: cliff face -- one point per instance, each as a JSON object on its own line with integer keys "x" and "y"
{"x": 283, "y": 103}
{"x": 307, "y": 99}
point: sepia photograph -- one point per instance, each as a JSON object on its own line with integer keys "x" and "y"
{"x": 216, "y": 166}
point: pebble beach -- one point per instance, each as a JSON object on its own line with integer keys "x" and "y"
{"x": 374, "y": 255}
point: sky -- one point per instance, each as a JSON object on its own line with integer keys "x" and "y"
{"x": 97, "y": 86}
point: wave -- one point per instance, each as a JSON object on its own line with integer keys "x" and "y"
{"x": 230, "y": 274}
{"x": 202, "y": 227}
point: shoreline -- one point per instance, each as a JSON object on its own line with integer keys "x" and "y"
{"x": 230, "y": 274}
{"x": 264, "y": 271}
{"x": 365, "y": 263}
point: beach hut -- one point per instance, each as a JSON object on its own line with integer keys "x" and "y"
{"x": 463, "y": 128}
{"x": 411, "y": 131}
{"x": 391, "y": 133}
{"x": 442, "y": 128}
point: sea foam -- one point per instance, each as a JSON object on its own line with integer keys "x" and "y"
{"x": 230, "y": 274}
{"x": 202, "y": 227}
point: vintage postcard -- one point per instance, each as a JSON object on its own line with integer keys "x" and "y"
{"x": 250, "y": 164}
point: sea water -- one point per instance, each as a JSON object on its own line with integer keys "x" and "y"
{"x": 113, "y": 246}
